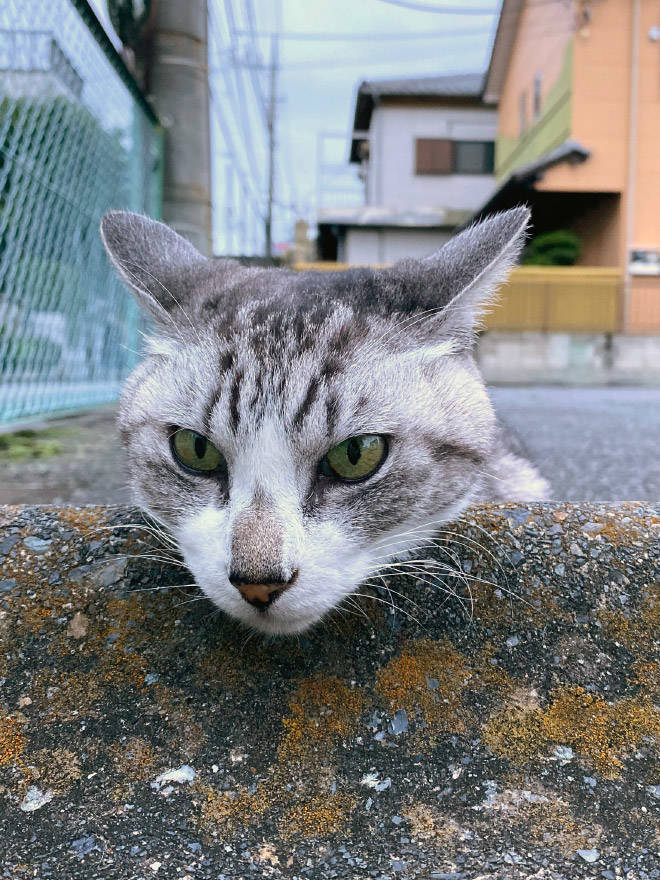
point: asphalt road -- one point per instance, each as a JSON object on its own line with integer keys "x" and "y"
{"x": 592, "y": 444}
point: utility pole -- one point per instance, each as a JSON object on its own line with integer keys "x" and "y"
{"x": 271, "y": 121}
{"x": 180, "y": 91}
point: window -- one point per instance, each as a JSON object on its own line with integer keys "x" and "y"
{"x": 433, "y": 156}
{"x": 474, "y": 157}
{"x": 536, "y": 109}
{"x": 523, "y": 112}
{"x": 443, "y": 156}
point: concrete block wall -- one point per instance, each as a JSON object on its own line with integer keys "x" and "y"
{"x": 569, "y": 358}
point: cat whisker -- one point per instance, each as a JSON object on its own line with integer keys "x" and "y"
{"x": 153, "y": 558}
{"x": 444, "y": 588}
{"x": 188, "y": 601}
{"x": 162, "y": 589}
{"x": 390, "y": 605}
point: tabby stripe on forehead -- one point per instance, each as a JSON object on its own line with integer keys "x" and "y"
{"x": 210, "y": 406}
{"x": 307, "y": 403}
{"x": 234, "y": 400}
{"x": 226, "y": 363}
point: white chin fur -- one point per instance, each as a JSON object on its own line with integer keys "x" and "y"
{"x": 331, "y": 568}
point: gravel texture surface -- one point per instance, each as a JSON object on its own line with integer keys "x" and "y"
{"x": 143, "y": 735}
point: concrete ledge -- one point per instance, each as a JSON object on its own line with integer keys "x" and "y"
{"x": 143, "y": 735}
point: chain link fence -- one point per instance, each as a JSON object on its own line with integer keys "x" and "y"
{"x": 76, "y": 138}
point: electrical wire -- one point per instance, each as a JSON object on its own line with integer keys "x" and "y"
{"x": 434, "y": 7}
{"x": 363, "y": 37}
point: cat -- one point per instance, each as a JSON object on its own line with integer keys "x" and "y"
{"x": 294, "y": 431}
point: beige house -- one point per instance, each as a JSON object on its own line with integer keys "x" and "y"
{"x": 577, "y": 85}
{"x": 425, "y": 150}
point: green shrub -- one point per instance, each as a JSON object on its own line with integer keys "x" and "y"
{"x": 559, "y": 248}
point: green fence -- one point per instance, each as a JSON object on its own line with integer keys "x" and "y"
{"x": 76, "y": 138}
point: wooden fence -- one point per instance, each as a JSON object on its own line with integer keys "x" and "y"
{"x": 569, "y": 299}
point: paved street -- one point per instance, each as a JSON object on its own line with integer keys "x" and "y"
{"x": 593, "y": 444}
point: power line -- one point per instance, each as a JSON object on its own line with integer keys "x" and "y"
{"x": 452, "y": 10}
{"x": 261, "y": 97}
{"x": 359, "y": 65}
{"x": 355, "y": 37}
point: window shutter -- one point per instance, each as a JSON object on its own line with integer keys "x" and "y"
{"x": 433, "y": 156}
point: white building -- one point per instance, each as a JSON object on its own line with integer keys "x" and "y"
{"x": 425, "y": 149}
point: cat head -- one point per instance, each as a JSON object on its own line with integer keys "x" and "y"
{"x": 296, "y": 430}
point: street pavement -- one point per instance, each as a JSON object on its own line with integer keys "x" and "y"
{"x": 592, "y": 444}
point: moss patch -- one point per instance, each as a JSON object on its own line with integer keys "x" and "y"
{"x": 30, "y": 444}
{"x": 600, "y": 732}
{"x": 322, "y": 711}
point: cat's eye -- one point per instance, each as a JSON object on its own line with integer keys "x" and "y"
{"x": 196, "y": 452}
{"x": 356, "y": 458}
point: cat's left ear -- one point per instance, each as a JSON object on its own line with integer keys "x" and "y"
{"x": 456, "y": 285}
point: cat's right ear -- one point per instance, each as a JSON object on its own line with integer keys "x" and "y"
{"x": 150, "y": 258}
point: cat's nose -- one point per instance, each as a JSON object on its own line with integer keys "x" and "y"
{"x": 262, "y": 594}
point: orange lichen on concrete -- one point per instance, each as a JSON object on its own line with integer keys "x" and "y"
{"x": 404, "y": 684}
{"x": 515, "y": 733}
{"x": 620, "y": 529}
{"x": 12, "y": 740}
{"x": 120, "y": 663}
{"x": 59, "y": 769}
{"x": 322, "y": 711}
{"x": 427, "y": 823}
{"x": 317, "y": 816}
{"x": 83, "y": 519}
{"x": 135, "y": 758}
{"x": 600, "y": 732}
{"x": 66, "y": 695}
{"x": 547, "y": 824}
{"x": 645, "y": 674}
{"x": 227, "y": 811}
{"x": 638, "y": 629}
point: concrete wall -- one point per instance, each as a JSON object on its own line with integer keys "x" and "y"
{"x": 569, "y": 358}
{"x": 498, "y": 721}
{"x": 391, "y": 174}
{"x": 380, "y": 246}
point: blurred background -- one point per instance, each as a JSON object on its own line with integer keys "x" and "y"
{"x": 327, "y": 135}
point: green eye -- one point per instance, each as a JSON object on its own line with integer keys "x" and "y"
{"x": 195, "y": 452}
{"x": 356, "y": 458}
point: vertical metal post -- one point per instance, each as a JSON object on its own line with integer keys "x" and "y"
{"x": 272, "y": 110}
{"x": 229, "y": 208}
{"x": 180, "y": 91}
{"x": 632, "y": 163}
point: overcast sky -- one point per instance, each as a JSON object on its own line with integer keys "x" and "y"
{"x": 319, "y": 94}
{"x": 317, "y": 84}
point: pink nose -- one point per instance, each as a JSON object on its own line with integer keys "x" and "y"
{"x": 261, "y": 595}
